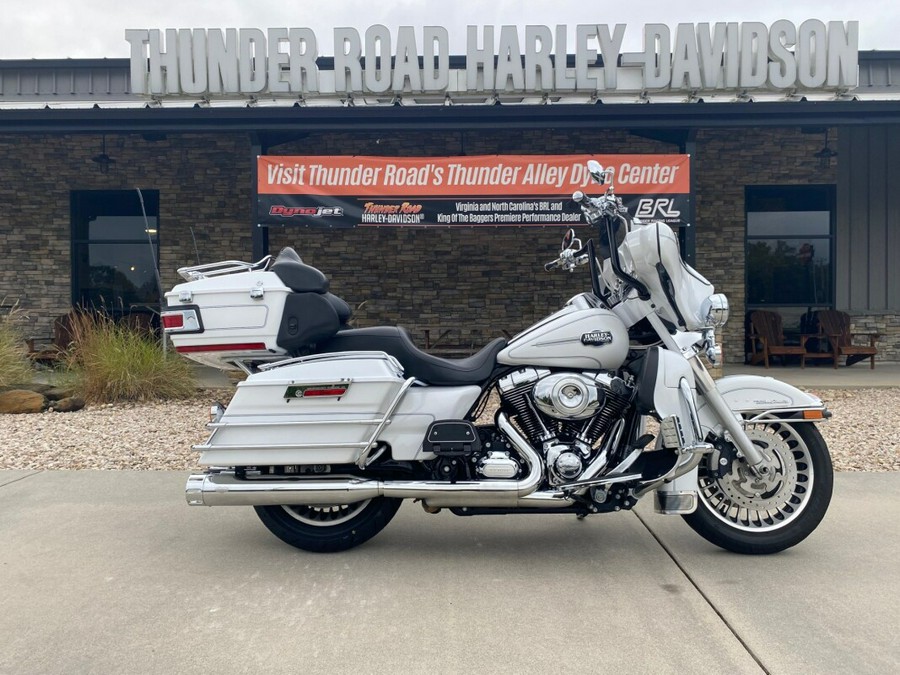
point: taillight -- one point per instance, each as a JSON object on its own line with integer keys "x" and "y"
{"x": 181, "y": 321}
{"x": 172, "y": 321}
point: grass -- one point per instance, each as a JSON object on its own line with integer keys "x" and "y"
{"x": 17, "y": 367}
{"x": 115, "y": 363}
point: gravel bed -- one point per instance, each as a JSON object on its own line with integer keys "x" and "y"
{"x": 863, "y": 435}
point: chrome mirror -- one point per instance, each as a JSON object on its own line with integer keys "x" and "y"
{"x": 596, "y": 171}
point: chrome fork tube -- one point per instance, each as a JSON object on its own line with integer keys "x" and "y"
{"x": 758, "y": 462}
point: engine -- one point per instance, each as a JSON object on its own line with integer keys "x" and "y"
{"x": 564, "y": 414}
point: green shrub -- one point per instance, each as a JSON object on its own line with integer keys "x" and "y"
{"x": 115, "y": 363}
{"x": 17, "y": 367}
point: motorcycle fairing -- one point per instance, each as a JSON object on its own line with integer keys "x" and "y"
{"x": 651, "y": 253}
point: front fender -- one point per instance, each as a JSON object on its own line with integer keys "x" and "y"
{"x": 755, "y": 394}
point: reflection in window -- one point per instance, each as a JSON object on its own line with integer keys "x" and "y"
{"x": 115, "y": 250}
{"x": 789, "y": 246}
{"x": 789, "y": 271}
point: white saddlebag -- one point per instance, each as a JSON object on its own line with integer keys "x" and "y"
{"x": 316, "y": 410}
{"x": 327, "y": 409}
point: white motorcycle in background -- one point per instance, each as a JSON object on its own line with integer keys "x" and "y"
{"x": 335, "y": 426}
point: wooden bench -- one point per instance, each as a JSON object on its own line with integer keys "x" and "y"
{"x": 52, "y": 348}
{"x": 835, "y": 326}
{"x": 767, "y": 339}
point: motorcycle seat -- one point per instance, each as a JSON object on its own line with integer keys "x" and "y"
{"x": 303, "y": 278}
{"x": 395, "y": 341}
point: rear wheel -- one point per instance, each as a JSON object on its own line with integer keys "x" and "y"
{"x": 748, "y": 514}
{"x": 328, "y": 528}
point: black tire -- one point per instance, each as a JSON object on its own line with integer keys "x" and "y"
{"x": 328, "y": 529}
{"x": 799, "y": 492}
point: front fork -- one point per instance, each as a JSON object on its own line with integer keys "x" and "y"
{"x": 759, "y": 464}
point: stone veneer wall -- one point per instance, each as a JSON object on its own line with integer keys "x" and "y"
{"x": 204, "y": 183}
{"x": 887, "y": 326}
{"x": 481, "y": 280}
{"x": 727, "y": 161}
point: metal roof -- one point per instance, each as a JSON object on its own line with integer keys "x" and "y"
{"x": 88, "y": 95}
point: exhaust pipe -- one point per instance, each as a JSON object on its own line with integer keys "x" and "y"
{"x": 224, "y": 489}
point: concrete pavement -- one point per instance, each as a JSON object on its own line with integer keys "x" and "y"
{"x": 113, "y": 572}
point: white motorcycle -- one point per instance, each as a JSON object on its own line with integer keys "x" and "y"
{"x": 335, "y": 426}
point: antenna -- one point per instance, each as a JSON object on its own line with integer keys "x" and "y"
{"x": 153, "y": 258}
{"x": 196, "y": 252}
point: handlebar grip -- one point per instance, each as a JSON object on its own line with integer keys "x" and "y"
{"x": 550, "y": 266}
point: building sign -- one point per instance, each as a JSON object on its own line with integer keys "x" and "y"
{"x": 489, "y": 190}
{"x": 693, "y": 58}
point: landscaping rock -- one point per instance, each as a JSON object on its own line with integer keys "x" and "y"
{"x": 39, "y": 387}
{"x": 22, "y": 401}
{"x": 68, "y": 404}
{"x": 58, "y": 393}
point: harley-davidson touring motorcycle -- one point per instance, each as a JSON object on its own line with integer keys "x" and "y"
{"x": 335, "y": 426}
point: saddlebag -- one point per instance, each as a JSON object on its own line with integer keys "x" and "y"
{"x": 315, "y": 410}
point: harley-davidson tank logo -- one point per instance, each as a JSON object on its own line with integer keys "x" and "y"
{"x": 597, "y": 337}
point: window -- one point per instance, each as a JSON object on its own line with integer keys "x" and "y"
{"x": 789, "y": 247}
{"x": 115, "y": 250}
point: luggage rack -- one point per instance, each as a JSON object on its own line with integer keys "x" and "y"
{"x": 215, "y": 269}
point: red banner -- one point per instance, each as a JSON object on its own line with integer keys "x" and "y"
{"x": 348, "y": 191}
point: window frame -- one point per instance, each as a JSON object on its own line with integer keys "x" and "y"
{"x": 828, "y": 195}
{"x": 112, "y": 198}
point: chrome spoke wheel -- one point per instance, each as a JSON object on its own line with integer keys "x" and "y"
{"x": 325, "y": 515}
{"x": 760, "y": 503}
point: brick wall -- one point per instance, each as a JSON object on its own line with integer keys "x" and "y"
{"x": 727, "y": 161}
{"x": 204, "y": 183}
{"x": 483, "y": 280}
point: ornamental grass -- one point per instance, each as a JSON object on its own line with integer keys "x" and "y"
{"x": 114, "y": 363}
{"x": 17, "y": 367}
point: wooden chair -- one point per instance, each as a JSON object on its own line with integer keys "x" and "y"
{"x": 835, "y": 326}
{"x": 56, "y": 344}
{"x": 767, "y": 339}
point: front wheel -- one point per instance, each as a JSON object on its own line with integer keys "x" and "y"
{"x": 741, "y": 512}
{"x": 329, "y": 528}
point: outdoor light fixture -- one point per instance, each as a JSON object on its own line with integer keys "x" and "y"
{"x": 825, "y": 154}
{"x": 103, "y": 160}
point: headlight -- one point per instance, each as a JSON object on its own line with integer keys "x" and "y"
{"x": 715, "y": 309}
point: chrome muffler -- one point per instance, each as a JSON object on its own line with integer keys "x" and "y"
{"x": 225, "y": 489}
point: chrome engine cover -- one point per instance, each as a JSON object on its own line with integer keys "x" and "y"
{"x": 498, "y": 464}
{"x": 568, "y": 396}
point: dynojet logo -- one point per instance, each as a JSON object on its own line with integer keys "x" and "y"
{"x": 307, "y": 211}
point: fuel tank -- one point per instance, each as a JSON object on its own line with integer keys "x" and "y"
{"x": 590, "y": 339}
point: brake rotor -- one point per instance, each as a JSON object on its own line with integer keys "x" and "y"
{"x": 744, "y": 489}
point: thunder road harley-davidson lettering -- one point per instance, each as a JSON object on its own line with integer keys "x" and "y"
{"x": 335, "y": 426}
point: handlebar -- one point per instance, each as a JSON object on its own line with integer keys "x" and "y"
{"x": 607, "y": 210}
{"x": 569, "y": 259}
